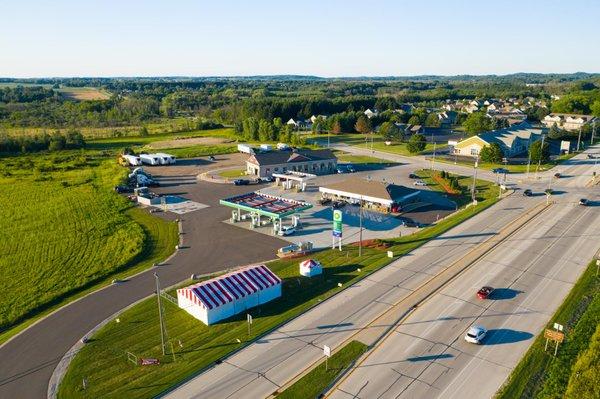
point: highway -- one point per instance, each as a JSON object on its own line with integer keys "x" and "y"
{"x": 426, "y": 355}
{"x": 266, "y": 365}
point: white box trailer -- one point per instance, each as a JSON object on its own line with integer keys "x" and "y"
{"x": 282, "y": 146}
{"x": 132, "y": 160}
{"x": 245, "y": 148}
{"x": 266, "y": 147}
{"x": 165, "y": 159}
{"x": 150, "y": 159}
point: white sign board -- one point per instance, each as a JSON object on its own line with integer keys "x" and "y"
{"x": 565, "y": 146}
{"x": 558, "y": 327}
{"x": 390, "y": 254}
{"x": 249, "y": 318}
{"x": 326, "y": 351}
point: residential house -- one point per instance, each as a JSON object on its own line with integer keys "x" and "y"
{"x": 370, "y": 113}
{"x": 447, "y": 119}
{"x": 570, "y": 122}
{"x": 299, "y": 123}
{"x": 513, "y": 140}
{"x": 317, "y": 162}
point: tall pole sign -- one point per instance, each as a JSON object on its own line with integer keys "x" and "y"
{"x": 337, "y": 228}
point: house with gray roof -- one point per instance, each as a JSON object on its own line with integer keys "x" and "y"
{"x": 513, "y": 140}
{"x": 317, "y": 162}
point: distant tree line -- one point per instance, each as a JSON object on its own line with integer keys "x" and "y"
{"x": 56, "y": 141}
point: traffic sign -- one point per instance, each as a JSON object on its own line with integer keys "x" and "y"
{"x": 337, "y": 233}
{"x": 554, "y": 335}
{"x": 326, "y": 350}
{"x": 337, "y": 215}
{"x": 558, "y": 327}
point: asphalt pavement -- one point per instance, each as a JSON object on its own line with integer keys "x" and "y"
{"x": 263, "y": 367}
{"x": 29, "y": 359}
{"x": 427, "y": 357}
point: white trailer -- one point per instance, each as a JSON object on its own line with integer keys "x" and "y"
{"x": 266, "y": 148}
{"x": 132, "y": 160}
{"x": 165, "y": 159}
{"x": 245, "y": 148}
{"x": 150, "y": 159}
{"x": 282, "y": 146}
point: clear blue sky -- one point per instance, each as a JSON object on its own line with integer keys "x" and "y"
{"x": 325, "y": 37}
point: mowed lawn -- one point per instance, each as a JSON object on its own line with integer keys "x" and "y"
{"x": 103, "y": 362}
{"x": 62, "y": 228}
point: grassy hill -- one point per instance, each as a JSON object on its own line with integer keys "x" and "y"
{"x": 62, "y": 229}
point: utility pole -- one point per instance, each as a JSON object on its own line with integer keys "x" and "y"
{"x": 163, "y": 330}
{"x": 579, "y": 139}
{"x": 433, "y": 160}
{"x": 593, "y": 132}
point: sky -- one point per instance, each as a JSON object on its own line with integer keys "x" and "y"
{"x": 329, "y": 38}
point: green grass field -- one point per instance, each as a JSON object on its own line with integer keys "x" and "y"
{"x": 358, "y": 140}
{"x": 318, "y": 379}
{"x": 231, "y": 173}
{"x": 539, "y": 374}
{"x": 483, "y": 189}
{"x": 63, "y": 230}
{"x": 511, "y": 168}
{"x": 359, "y": 159}
{"x": 103, "y": 362}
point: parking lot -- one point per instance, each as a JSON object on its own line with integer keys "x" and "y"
{"x": 211, "y": 221}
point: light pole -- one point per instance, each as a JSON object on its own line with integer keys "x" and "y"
{"x": 579, "y": 139}
{"x": 433, "y": 159}
{"x": 540, "y": 157}
{"x": 360, "y": 205}
{"x": 160, "y": 315}
{"x": 593, "y": 132}
{"x": 474, "y": 179}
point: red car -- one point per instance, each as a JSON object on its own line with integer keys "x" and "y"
{"x": 484, "y": 292}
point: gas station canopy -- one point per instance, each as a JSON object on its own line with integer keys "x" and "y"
{"x": 265, "y": 205}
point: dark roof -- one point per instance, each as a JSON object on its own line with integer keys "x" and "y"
{"x": 372, "y": 188}
{"x": 280, "y": 157}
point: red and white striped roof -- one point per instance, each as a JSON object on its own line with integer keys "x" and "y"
{"x": 310, "y": 263}
{"x": 230, "y": 287}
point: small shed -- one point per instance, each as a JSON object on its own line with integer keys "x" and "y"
{"x": 310, "y": 268}
{"x": 219, "y": 298}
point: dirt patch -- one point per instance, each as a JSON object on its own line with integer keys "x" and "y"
{"x": 84, "y": 93}
{"x": 375, "y": 244}
{"x": 186, "y": 142}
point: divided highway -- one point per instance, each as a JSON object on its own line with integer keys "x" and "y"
{"x": 268, "y": 364}
{"x": 426, "y": 355}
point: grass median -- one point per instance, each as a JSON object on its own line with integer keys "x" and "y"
{"x": 319, "y": 378}
{"x": 541, "y": 375}
{"x": 103, "y": 362}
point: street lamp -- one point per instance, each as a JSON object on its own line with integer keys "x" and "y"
{"x": 474, "y": 178}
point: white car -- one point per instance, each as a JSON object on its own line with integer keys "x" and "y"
{"x": 419, "y": 183}
{"x": 476, "y": 334}
{"x": 286, "y": 230}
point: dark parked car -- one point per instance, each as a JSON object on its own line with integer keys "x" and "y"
{"x": 499, "y": 170}
{"x": 557, "y": 175}
{"x": 241, "y": 182}
{"x": 324, "y": 201}
{"x": 338, "y": 204}
{"x": 527, "y": 193}
{"x": 122, "y": 189}
{"x": 583, "y": 202}
{"x": 413, "y": 176}
{"x": 267, "y": 179}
